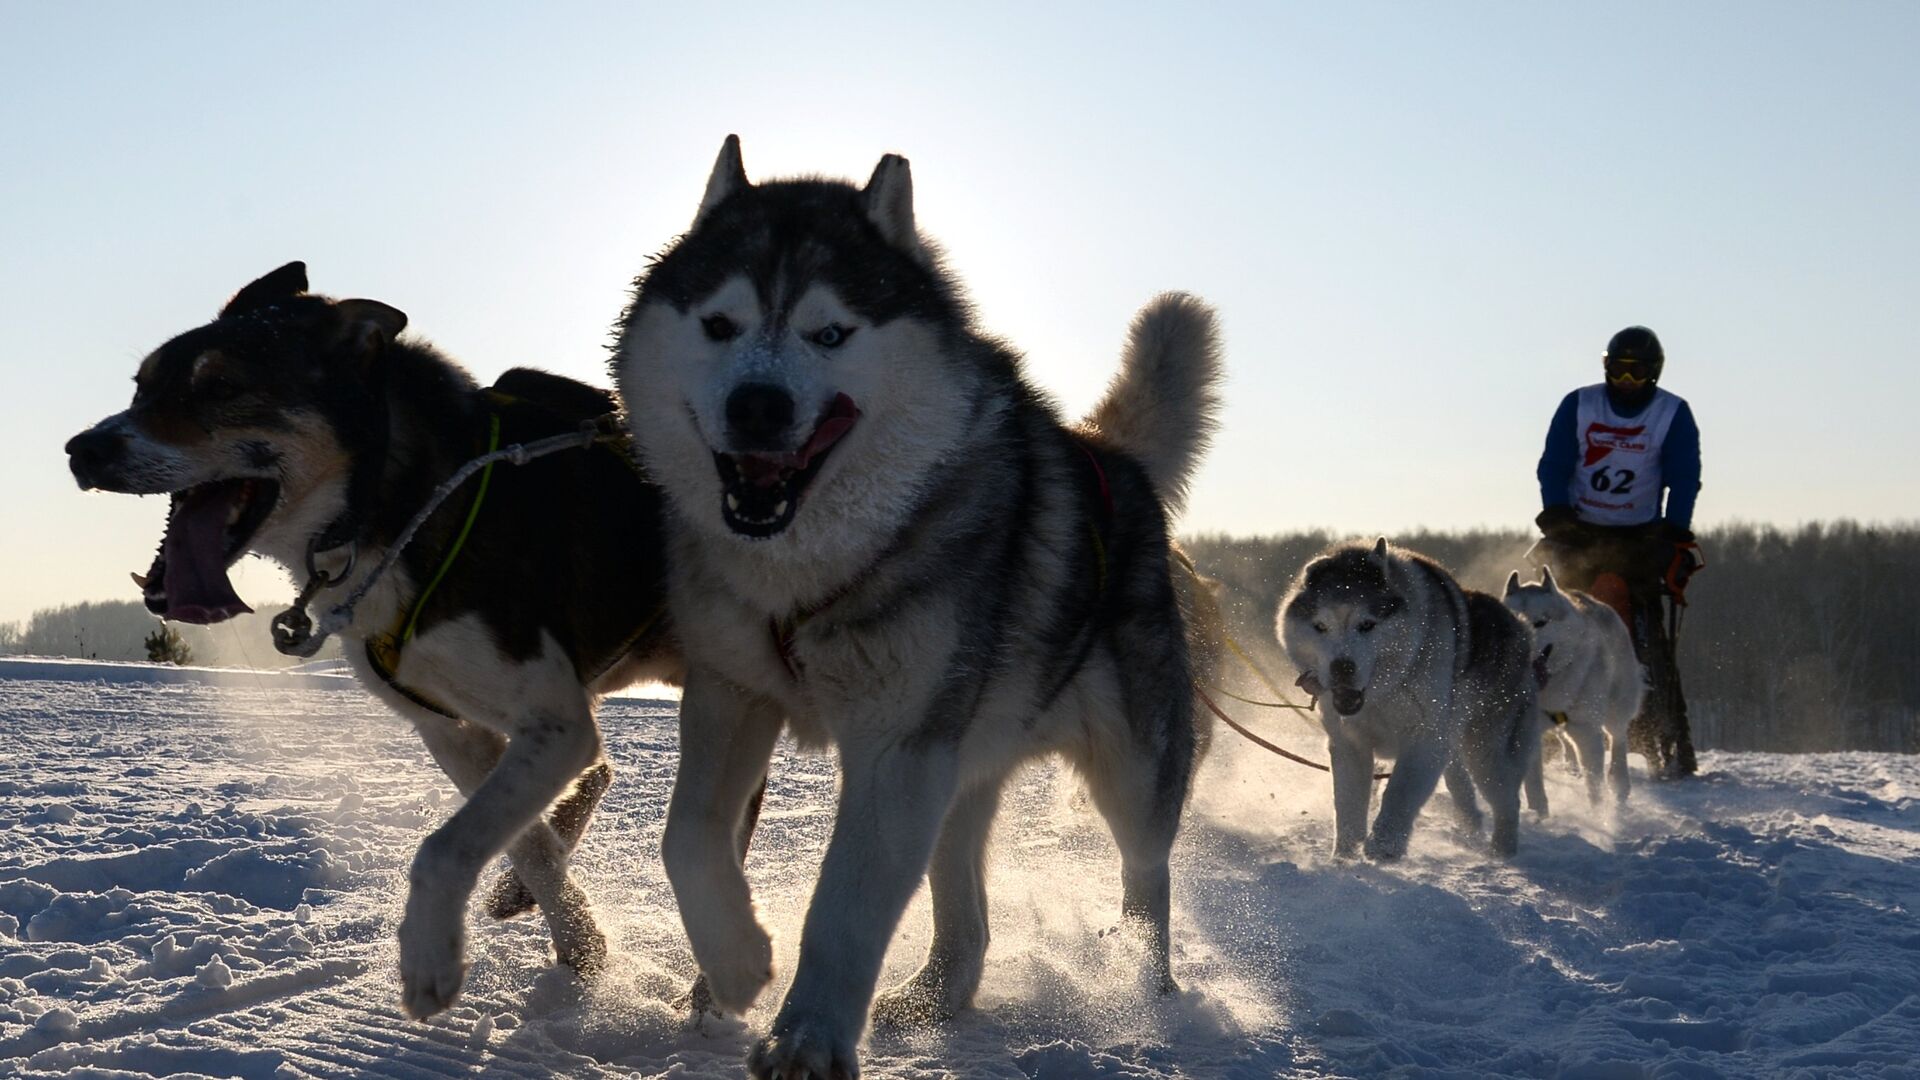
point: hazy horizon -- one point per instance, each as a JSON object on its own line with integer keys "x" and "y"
{"x": 1420, "y": 225}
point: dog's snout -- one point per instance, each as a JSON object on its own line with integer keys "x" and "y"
{"x": 759, "y": 414}
{"x": 1344, "y": 671}
{"x": 91, "y": 452}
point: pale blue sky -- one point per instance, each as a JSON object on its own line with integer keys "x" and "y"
{"x": 1420, "y": 222}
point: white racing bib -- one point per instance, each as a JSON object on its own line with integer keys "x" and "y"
{"x": 1616, "y": 480}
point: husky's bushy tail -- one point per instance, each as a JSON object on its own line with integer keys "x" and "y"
{"x": 1162, "y": 408}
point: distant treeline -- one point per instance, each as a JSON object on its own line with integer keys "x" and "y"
{"x": 118, "y": 630}
{"x": 1794, "y": 639}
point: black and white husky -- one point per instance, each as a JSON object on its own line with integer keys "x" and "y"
{"x": 1409, "y": 665}
{"x": 883, "y": 535}
{"x": 308, "y": 430}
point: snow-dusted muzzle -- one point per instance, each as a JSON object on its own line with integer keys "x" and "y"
{"x": 760, "y": 492}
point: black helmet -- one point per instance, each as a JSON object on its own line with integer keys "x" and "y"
{"x": 1638, "y": 344}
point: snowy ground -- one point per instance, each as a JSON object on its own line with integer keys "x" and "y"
{"x": 206, "y": 879}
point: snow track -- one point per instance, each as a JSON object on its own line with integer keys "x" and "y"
{"x": 202, "y": 879}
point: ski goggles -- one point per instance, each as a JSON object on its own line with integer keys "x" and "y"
{"x": 1627, "y": 374}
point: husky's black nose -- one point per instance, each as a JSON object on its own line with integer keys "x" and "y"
{"x": 758, "y": 415}
{"x": 91, "y": 452}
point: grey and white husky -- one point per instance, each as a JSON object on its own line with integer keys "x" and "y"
{"x": 1592, "y": 684}
{"x": 1409, "y": 665}
{"x": 884, "y": 535}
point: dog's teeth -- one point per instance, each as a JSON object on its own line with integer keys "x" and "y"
{"x": 780, "y": 508}
{"x": 733, "y": 501}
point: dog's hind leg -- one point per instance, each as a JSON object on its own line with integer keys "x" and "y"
{"x": 1466, "y": 808}
{"x": 726, "y": 740}
{"x": 958, "y": 880}
{"x": 509, "y": 897}
{"x": 1142, "y": 805}
{"x": 1617, "y": 752}
{"x": 1500, "y": 767}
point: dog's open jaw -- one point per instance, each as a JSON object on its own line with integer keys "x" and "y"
{"x": 1348, "y": 700}
{"x": 208, "y": 527}
{"x": 760, "y": 493}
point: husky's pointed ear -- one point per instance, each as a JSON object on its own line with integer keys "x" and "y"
{"x": 369, "y": 326}
{"x": 1380, "y": 551}
{"x": 729, "y": 175}
{"x": 1546, "y": 579}
{"x": 1513, "y": 583}
{"x": 288, "y": 281}
{"x": 888, "y": 201}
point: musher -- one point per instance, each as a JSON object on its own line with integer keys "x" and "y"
{"x": 1612, "y": 450}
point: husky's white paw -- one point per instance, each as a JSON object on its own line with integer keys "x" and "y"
{"x": 1387, "y": 848}
{"x": 509, "y": 898}
{"x": 577, "y": 940}
{"x": 924, "y": 999}
{"x": 431, "y": 964}
{"x": 738, "y": 968}
{"x": 805, "y": 1048}
{"x": 584, "y": 950}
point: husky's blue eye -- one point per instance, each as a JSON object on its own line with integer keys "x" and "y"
{"x": 1538, "y": 623}
{"x": 1366, "y": 626}
{"x": 1319, "y": 628}
{"x": 831, "y": 336}
{"x": 719, "y": 328}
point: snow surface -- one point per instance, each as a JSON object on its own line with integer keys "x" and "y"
{"x": 203, "y": 878}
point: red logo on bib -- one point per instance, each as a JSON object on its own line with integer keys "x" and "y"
{"x": 1604, "y": 439}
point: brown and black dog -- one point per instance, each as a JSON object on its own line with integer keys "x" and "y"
{"x": 308, "y": 430}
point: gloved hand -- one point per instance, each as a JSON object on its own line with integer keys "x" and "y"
{"x": 1561, "y": 524}
{"x": 1658, "y": 547}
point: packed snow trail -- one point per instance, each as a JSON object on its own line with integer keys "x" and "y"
{"x": 205, "y": 880}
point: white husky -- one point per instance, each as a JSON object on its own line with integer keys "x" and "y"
{"x": 1593, "y": 684}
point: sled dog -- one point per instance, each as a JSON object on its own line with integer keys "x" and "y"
{"x": 308, "y": 430}
{"x": 1409, "y": 665}
{"x": 882, "y": 533}
{"x": 1592, "y": 684}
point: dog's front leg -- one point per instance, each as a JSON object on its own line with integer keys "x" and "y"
{"x": 543, "y": 755}
{"x": 1536, "y": 781}
{"x": 893, "y": 799}
{"x": 467, "y": 753}
{"x": 1416, "y": 772}
{"x": 726, "y": 740}
{"x": 1352, "y": 767}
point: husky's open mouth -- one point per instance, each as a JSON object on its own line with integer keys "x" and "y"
{"x": 208, "y": 527}
{"x": 1347, "y": 700}
{"x": 760, "y": 493}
